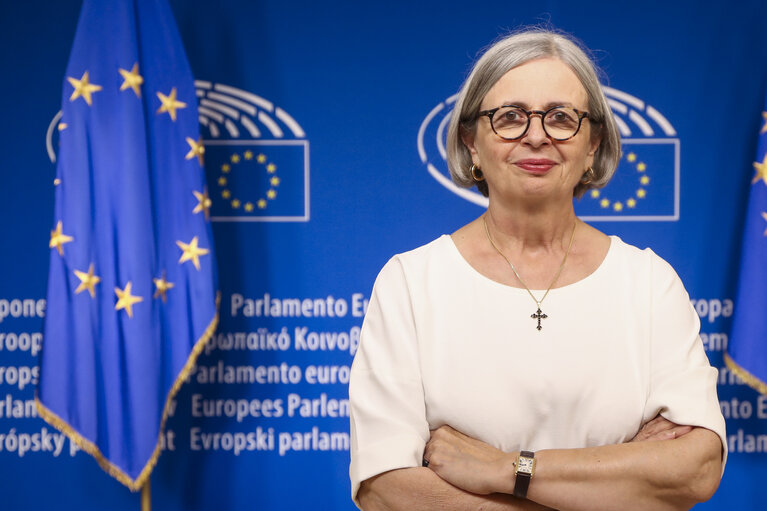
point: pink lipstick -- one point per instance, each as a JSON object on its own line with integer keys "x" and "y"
{"x": 535, "y": 165}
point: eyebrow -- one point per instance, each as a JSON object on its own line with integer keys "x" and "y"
{"x": 550, "y": 104}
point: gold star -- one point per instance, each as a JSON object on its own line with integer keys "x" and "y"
{"x": 261, "y": 158}
{"x": 631, "y": 203}
{"x": 618, "y": 206}
{"x": 58, "y": 239}
{"x": 133, "y": 80}
{"x": 235, "y": 158}
{"x": 761, "y": 171}
{"x": 631, "y": 157}
{"x": 236, "y": 203}
{"x": 222, "y": 181}
{"x": 271, "y": 168}
{"x": 83, "y": 88}
{"x": 261, "y": 203}
{"x": 248, "y": 155}
{"x": 641, "y": 167}
{"x": 162, "y": 287}
{"x": 62, "y": 126}
{"x": 604, "y": 203}
{"x": 225, "y": 167}
{"x": 248, "y": 207}
{"x": 191, "y": 252}
{"x": 271, "y": 194}
{"x": 197, "y": 149}
{"x": 764, "y": 128}
{"x": 641, "y": 193}
{"x": 644, "y": 180}
{"x": 87, "y": 281}
{"x": 126, "y": 300}
{"x": 204, "y": 203}
{"x": 56, "y": 182}
{"x": 226, "y": 194}
{"x": 594, "y": 193}
{"x": 170, "y": 104}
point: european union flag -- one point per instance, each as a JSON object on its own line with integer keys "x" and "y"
{"x": 258, "y": 180}
{"x": 747, "y": 353}
{"x": 132, "y": 284}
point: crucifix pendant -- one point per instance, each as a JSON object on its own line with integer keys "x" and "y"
{"x": 539, "y": 316}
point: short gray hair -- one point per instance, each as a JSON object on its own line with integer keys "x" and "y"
{"x": 514, "y": 50}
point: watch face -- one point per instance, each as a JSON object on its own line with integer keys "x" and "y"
{"x": 525, "y": 465}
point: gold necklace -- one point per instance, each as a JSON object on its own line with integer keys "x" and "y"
{"x": 539, "y": 315}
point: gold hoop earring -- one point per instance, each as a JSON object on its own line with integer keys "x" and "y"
{"x": 588, "y": 176}
{"x": 476, "y": 173}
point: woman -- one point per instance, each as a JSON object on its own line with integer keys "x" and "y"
{"x": 508, "y": 365}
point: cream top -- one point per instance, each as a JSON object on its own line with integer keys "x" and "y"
{"x": 443, "y": 344}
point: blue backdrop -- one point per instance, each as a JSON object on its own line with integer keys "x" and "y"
{"x": 323, "y": 125}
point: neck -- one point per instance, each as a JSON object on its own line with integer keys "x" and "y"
{"x": 523, "y": 227}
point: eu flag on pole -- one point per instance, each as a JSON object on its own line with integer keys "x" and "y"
{"x": 747, "y": 352}
{"x": 132, "y": 283}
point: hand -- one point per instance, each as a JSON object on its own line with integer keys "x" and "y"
{"x": 660, "y": 428}
{"x": 468, "y": 463}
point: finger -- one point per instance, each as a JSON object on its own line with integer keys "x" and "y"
{"x": 658, "y": 424}
{"x": 677, "y": 432}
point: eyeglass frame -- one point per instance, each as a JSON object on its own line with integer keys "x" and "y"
{"x": 582, "y": 114}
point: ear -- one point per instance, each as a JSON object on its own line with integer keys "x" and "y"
{"x": 594, "y": 145}
{"x": 468, "y": 140}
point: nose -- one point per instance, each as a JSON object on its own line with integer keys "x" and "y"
{"x": 536, "y": 135}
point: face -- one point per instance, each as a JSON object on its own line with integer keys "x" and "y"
{"x": 534, "y": 167}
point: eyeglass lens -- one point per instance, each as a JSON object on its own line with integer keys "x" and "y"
{"x": 559, "y": 123}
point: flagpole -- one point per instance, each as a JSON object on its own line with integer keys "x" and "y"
{"x": 146, "y": 497}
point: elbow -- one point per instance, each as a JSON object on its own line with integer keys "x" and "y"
{"x": 702, "y": 480}
{"x": 697, "y": 477}
{"x": 368, "y": 499}
{"x": 705, "y": 481}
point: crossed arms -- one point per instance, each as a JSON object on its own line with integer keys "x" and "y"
{"x": 665, "y": 467}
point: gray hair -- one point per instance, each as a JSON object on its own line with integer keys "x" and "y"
{"x": 514, "y": 50}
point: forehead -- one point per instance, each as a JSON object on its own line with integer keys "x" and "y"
{"x": 538, "y": 83}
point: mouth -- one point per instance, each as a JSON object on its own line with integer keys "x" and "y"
{"x": 535, "y": 165}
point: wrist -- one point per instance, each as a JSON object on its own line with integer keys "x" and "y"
{"x": 507, "y": 473}
{"x": 524, "y": 471}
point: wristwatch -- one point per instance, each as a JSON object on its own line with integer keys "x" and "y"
{"x": 524, "y": 470}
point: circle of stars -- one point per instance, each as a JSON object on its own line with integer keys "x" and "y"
{"x": 630, "y": 202}
{"x": 86, "y": 90}
{"x": 262, "y": 161}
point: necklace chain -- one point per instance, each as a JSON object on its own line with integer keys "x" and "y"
{"x": 554, "y": 280}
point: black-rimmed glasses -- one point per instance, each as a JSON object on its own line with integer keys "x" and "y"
{"x": 511, "y": 122}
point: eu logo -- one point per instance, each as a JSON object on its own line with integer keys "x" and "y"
{"x": 257, "y": 180}
{"x": 256, "y": 157}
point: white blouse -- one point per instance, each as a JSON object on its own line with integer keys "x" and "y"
{"x": 443, "y": 344}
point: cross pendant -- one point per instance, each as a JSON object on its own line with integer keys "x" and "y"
{"x": 539, "y": 316}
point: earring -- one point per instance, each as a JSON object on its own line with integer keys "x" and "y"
{"x": 476, "y": 173}
{"x": 588, "y": 176}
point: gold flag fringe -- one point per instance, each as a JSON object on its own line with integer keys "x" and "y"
{"x": 750, "y": 380}
{"x": 89, "y": 447}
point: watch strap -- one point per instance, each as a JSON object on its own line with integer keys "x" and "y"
{"x": 522, "y": 480}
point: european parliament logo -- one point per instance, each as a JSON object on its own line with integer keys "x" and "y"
{"x": 645, "y": 186}
{"x": 256, "y": 157}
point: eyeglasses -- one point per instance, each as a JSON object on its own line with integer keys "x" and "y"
{"x": 511, "y": 122}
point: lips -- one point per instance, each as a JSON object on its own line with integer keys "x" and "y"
{"x": 535, "y": 165}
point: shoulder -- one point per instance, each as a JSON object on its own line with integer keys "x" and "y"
{"x": 439, "y": 251}
{"x": 644, "y": 265}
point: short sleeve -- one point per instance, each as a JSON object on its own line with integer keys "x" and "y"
{"x": 388, "y": 417}
{"x": 682, "y": 381}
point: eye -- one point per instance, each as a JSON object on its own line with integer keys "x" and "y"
{"x": 562, "y": 117}
{"x": 509, "y": 116}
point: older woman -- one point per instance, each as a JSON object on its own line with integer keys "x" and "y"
{"x": 510, "y": 364}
